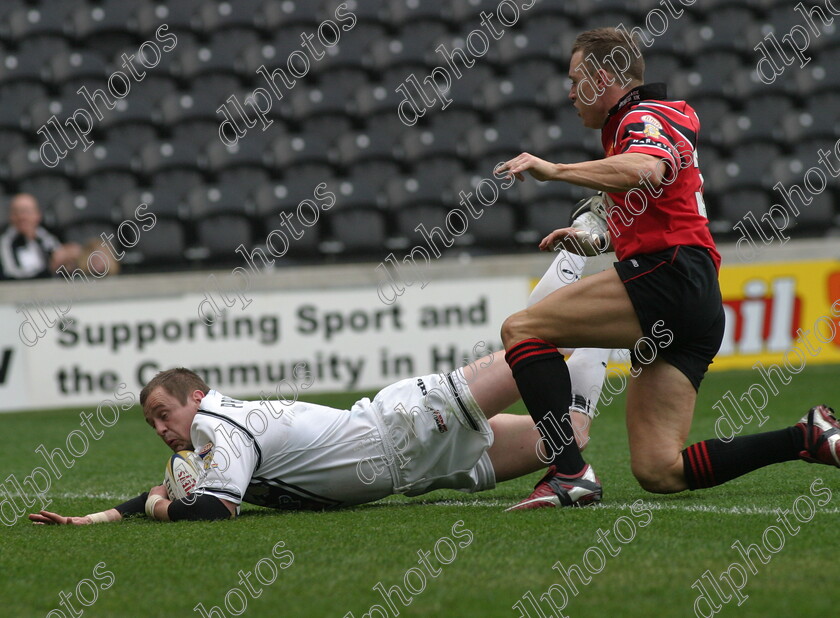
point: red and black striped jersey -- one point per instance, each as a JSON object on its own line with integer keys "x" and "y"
{"x": 650, "y": 219}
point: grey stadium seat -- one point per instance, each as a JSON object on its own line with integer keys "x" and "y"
{"x": 711, "y": 74}
{"x": 425, "y": 184}
{"x": 307, "y": 245}
{"x": 734, "y": 206}
{"x": 508, "y": 134}
{"x": 93, "y": 20}
{"x": 335, "y": 93}
{"x": 298, "y": 183}
{"x": 365, "y": 185}
{"x": 751, "y": 166}
{"x": 262, "y": 15}
{"x": 46, "y": 189}
{"x": 430, "y": 216}
{"x": 381, "y": 138}
{"x": 445, "y": 134}
{"x": 103, "y": 156}
{"x": 218, "y": 237}
{"x": 523, "y": 85}
{"x": 52, "y": 17}
{"x": 356, "y": 49}
{"x": 414, "y": 44}
{"x": 223, "y": 53}
{"x": 538, "y": 38}
{"x": 164, "y": 244}
{"x": 546, "y": 216}
{"x": 359, "y": 231}
{"x": 83, "y": 207}
{"x": 16, "y": 103}
{"x": 495, "y": 228}
{"x": 84, "y": 232}
{"x": 761, "y": 120}
{"x": 729, "y": 28}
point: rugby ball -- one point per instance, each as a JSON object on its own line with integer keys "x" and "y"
{"x": 183, "y": 471}
{"x": 589, "y": 218}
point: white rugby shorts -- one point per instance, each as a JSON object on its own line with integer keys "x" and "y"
{"x": 435, "y": 435}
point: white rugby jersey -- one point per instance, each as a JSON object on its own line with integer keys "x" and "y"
{"x": 300, "y": 456}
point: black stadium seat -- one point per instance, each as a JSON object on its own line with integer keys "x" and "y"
{"x": 543, "y": 217}
{"x": 16, "y": 102}
{"x": 444, "y": 135}
{"x": 508, "y": 135}
{"x": 86, "y": 231}
{"x": 730, "y": 29}
{"x": 52, "y": 17}
{"x": 761, "y": 120}
{"x": 162, "y": 245}
{"x": 92, "y": 20}
{"x": 359, "y": 231}
{"x": 425, "y": 183}
{"x": 223, "y": 53}
{"x": 355, "y": 49}
{"x": 84, "y": 207}
{"x": 218, "y": 237}
{"x": 414, "y": 44}
{"x": 537, "y": 39}
{"x": 523, "y": 85}
{"x": 709, "y": 75}
{"x": 494, "y": 229}
{"x": 365, "y": 185}
{"x": 335, "y": 93}
{"x": 46, "y": 189}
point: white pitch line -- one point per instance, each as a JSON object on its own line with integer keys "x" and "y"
{"x": 75, "y": 496}
{"x": 653, "y": 506}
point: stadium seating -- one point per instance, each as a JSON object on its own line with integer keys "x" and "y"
{"x": 340, "y": 125}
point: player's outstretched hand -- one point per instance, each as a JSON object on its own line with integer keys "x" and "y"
{"x": 538, "y": 168}
{"x": 564, "y": 238}
{"x": 47, "y": 518}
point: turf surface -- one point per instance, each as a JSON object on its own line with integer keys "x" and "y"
{"x": 330, "y": 562}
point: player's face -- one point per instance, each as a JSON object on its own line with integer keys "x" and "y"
{"x": 589, "y": 111}
{"x": 25, "y": 216}
{"x": 172, "y": 419}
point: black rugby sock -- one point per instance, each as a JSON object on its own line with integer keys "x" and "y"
{"x": 546, "y": 389}
{"x": 714, "y": 462}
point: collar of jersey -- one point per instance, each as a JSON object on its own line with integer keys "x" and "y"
{"x": 656, "y": 92}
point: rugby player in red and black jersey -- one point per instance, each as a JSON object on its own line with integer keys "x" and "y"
{"x": 661, "y": 301}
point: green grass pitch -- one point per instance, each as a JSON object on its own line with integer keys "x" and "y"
{"x": 154, "y": 569}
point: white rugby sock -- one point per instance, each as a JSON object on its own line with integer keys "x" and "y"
{"x": 587, "y": 369}
{"x": 565, "y": 269}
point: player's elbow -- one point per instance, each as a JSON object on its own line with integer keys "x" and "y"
{"x": 651, "y": 172}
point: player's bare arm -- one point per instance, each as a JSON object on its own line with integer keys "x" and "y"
{"x": 195, "y": 508}
{"x": 49, "y": 518}
{"x": 615, "y": 174}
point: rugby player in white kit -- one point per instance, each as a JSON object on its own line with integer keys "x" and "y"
{"x": 420, "y": 434}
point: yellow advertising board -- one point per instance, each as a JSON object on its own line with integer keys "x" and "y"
{"x": 777, "y": 312}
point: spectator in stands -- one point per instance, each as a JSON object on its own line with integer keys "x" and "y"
{"x": 95, "y": 262}
{"x": 27, "y": 250}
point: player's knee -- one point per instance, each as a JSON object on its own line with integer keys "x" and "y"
{"x": 513, "y": 329}
{"x": 655, "y": 479}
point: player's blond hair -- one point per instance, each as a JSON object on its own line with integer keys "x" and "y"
{"x": 602, "y": 43}
{"x": 178, "y": 382}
